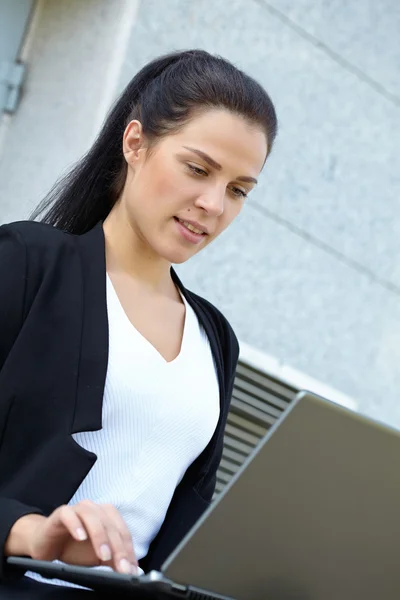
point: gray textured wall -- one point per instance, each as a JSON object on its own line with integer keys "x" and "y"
{"x": 73, "y": 54}
{"x": 309, "y": 273}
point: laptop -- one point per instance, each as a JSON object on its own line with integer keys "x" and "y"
{"x": 313, "y": 514}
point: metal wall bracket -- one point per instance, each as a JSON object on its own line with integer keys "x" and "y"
{"x": 12, "y": 77}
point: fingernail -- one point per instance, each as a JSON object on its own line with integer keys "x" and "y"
{"x": 105, "y": 552}
{"x": 125, "y": 566}
{"x": 81, "y": 533}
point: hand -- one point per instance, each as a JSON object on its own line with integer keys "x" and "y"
{"x": 86, "y": 534}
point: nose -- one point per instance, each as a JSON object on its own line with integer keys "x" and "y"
{"x": 212, "y": 201}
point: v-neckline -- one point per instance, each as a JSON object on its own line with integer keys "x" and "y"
{"x": 121, "y": 309}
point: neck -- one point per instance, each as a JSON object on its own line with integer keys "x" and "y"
{"x": 128, "y": 255}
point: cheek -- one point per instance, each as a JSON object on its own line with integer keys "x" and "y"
{"x": 163, "y": 190}
{"x": 153, "y": 196}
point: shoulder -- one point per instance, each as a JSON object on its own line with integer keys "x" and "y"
{"x": 217, "y": 316}
{"x": 223, "y": 329}
{"x": 32, "y": 233}
{"x": 42, "y": 245}
{"x": 219, "y": 327}
{"x": 35, "y": 250}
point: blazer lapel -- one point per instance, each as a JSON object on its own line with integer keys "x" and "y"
{"x": 200, "y": 466}
{"x": 94, "y": 345}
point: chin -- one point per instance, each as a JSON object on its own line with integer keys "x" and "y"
{"x": 177, "y": 257}
{"x": 176, "y": 254}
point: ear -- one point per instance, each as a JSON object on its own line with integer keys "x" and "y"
{"x": 133, "y": 141}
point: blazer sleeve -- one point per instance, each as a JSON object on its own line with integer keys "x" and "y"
{"x": 13, "y": 277}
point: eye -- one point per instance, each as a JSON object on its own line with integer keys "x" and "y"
{"x": 197, "y": 171}
{"x": 238, "y": 192}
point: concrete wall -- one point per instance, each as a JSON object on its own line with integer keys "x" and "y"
{"x": 73, "y": 52}
{"x": 309, "y": 273}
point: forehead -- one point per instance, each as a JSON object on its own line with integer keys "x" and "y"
{"x": 228, "y": 138}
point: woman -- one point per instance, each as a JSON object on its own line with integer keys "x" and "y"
{"x": 115, "y": 380}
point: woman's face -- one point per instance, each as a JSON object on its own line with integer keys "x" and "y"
{"x": 191, "y": 186}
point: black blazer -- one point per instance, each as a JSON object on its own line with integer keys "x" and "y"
{"x": 53, "y": 362}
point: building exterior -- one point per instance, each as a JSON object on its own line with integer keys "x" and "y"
{"x": 309, "y": 274}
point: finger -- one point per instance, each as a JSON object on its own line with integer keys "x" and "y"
{"x": 120, "y": 559}
{"x": 92, "y": 518}
{"x": 49, "y": 540}
{"x": 66, "y": 517}
{"x": 114, "y": 517}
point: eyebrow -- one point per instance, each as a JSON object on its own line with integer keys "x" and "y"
{"x": 213, "y": 163}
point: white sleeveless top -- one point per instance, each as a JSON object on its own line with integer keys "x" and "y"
{"x": 158, "y": 416}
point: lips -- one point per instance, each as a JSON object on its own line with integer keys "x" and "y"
{"x": 185, "y": 229}
{"x": 193, "y": 226}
